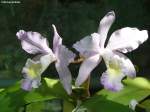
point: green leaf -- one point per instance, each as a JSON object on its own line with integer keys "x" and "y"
{"x": 146, "y": 105}
{"x": 139, "y": 82}
{"x": 18, "y": 98}
{"x": 5, "y": 103}
{"x": 1, "y": 90}
{"x": 55, "y": 88}
{"x": 67, "y": 106}
{"x": 45, "y": 106}
{"x": 101, "y": 104}
{"x": 133, "y": 90}
{"x": 50, "y": 89}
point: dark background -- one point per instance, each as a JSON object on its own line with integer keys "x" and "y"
{"x": 74, "y": 20}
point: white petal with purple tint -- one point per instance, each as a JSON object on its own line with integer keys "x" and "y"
{"x": 64, "y": 75}
{"x": 57, "y": 40}
{"x": 89, "y": 45}
{"x": 26, "y": 84}
{"x": 33, "y": 42}
{"x": 118, "y": 66}
{"x": 112, "y": 81}
{"x": 64, "y": 57}
{"x": 126, "y": 65}
{"x": 127, "y": 39}
{"x": 104, "y": 26}
{"x": 33, "y": 71}
{"x": 86, "y": 67}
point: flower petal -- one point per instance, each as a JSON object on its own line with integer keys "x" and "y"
{"x": 57, "y": 40}
{"x": 104, "y": 26}
{"x": 127, "y": 39}
{"x": 65, "y": 76}
{"x": 26, "y": 84}
{"x": 33, "y": 70}
{"x": 46, "y": 60}
{"x": 64, "y": 57}
{"x": 112, "y": 81}
{"x": 86, "y": 67}
{"x": 33, "y": 42}
{"x": 120, "y": 62}
{"x": 127, "y": 66}
{"x": 89, "y": 45}
{"x": 118, "y": 66}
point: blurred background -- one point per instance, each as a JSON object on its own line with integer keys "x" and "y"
{"x": 74, "y": 20}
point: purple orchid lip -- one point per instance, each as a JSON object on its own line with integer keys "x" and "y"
{"x": 111, "y": 84}
{"x": 26, "y": 85}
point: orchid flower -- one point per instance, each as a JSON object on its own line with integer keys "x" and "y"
{"x": 118, "y": 65}
{"x": 35, "y": 43}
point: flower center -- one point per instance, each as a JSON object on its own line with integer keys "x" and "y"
{"x": 102, "y": 51}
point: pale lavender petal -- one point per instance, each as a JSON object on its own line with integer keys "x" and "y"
{"x": 33, "y": 70}
{"x": 119, "y": 61}
{"x": 65, "y": 76}
{"x": 127, "y": 66}
{"x": 118, "y": 66}
{"x": 32, "y": 73}
{"x": 86, "y": 68}
{"x": 104, "y": 26}
{"x": 64, "y": 57}
{"x": 89, "y": 45}
{"x": 33, "y": 42}
{"x": 26, "y": 84}
{"x": 112, "y": 81}
{"x": 127, "y": 39}
{"x": 57, "y": 40}
{"x": 45, "y": 60}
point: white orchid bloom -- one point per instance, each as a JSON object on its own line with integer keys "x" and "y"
{"x": 35, "y": 43}
{"x": 118, "y": 65}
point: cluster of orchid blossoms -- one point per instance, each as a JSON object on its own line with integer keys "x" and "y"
{"x": 91, "y": 47}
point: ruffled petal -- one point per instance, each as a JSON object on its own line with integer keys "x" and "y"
{"x": 33, "y": 70}
{"x": 64, "y": 57}
{"x": 104, "y": 26}
{"x": 57, "y": 40}
{"x": 126, "y": 65}
{"x": 33, "y": 42}
{"x": 118, "y": 66}
{"x": 111, "y": 80}
{"x": 26, "y": 84}
{"x": 127, "y": 39}
{"x": 119, "y": 61}
{"x": 89, "y": 45}
{"x": 86, "y": 67}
